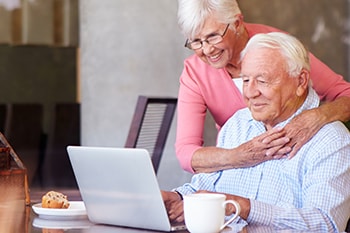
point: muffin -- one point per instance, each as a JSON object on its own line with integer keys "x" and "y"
{"x": 53, "y": 199}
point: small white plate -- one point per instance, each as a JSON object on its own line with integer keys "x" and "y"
{"x": 76, "y": 210}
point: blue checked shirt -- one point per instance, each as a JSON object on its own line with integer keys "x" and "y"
{"x": 311, "y": 191}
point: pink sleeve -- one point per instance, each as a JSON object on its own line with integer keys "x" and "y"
{"x": 326, "y": 82}
{"x": 190, "y": 120}
{"x": 202, "y": 89}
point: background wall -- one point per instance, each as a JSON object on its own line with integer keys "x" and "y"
{"x": 128, "y": 48}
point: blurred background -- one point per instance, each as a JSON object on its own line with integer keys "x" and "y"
{"x": 82, "y": 64}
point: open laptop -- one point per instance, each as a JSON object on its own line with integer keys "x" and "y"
{"x": 119, "y": 187}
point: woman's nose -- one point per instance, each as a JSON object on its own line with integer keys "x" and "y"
{"x": 207, "y": 48}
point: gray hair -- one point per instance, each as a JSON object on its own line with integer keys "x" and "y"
{"x": 192, "y": 13}
{"x": 296, "y": 55}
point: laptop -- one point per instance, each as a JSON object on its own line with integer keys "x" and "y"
{"x": 119, "y": 187}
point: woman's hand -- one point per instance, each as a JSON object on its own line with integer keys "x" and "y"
{"x": 270, "y": 145}
{"x": 309, "y": 122}
{"x": 302, "y": 128}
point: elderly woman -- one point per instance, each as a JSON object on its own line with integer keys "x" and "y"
{"x": 210, "y": 82}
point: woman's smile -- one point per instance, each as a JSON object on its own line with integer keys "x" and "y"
{"x": 215, "y": 58}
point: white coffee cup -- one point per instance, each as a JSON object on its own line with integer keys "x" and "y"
{"x": 205, "y": 212}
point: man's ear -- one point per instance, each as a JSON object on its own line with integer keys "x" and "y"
{"x": 303, "y": 78}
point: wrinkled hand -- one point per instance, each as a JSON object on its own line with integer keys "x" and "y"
{"x": 302, "y": 128}
{"x": 269, "y": 145}
{"x": 174, "y": 206}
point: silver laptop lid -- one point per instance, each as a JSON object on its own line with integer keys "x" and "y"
{"x": 119, "y": 187}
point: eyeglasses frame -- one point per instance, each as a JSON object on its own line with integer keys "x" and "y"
{"x": 187, "y": 43}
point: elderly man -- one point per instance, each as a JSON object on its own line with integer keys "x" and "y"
{"x": 310, "y": 192}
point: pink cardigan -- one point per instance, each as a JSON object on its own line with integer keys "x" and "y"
{"x": 203, "y": 88}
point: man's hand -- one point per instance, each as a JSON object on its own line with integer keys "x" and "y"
{"x": 230, "y": 209}
{"x": 173, "y": 205}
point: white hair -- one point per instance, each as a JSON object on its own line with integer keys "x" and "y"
{"x": 193, "y": 13}
{"x": 296, "y": 55}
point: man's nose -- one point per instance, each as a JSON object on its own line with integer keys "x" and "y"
{"x": 251, "y": 90}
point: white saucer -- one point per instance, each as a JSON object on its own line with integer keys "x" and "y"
{"x": 61, "y": 224}
{"x": 76, "y": 210}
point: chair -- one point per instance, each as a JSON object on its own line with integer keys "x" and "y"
{"x": 150, "y": 126}
{"x": 56, "y": 169}
{"x": 347, "y": 124}
{"x": 23, "y": 130}
{"x": 3, "y": 114}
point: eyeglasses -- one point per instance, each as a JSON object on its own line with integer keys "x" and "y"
{"x": 212, "y": 40}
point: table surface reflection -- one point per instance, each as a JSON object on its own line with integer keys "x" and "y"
{"x": 16, "y": 217}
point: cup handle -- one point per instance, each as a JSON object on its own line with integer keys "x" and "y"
{"x": 238, "y": 211}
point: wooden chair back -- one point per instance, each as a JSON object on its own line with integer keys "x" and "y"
{"x": 150, "y": 125}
